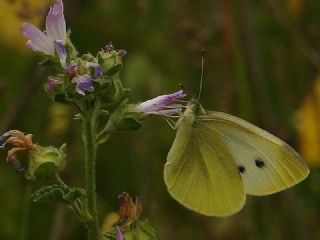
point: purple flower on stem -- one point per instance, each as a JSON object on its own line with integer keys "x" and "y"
{"x": 71, "y": 68}
{"x": 98, "y": 72}
{"x": 109, "y": 47}
{"x": 121, "y": 53}
{"x": 84, "y": 84}
{"x": 55, "y": 22}
{"x": 62, "y": 52}
{"x": 161, "y": 105}
{"x": 119, "y": 235}
{"x": 51, "y": 82}
{"x": 55, "y": 31}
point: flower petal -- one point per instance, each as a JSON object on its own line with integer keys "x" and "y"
{"x": 55, "y": 22}
{"x": 62, "y": 52}
{"x": 167, "y": 112}
{"x": 119, "y": 235}
{"x": 109, "y": 47}
{"x": 51, "y": 82}
{"x": 158, "y": 103}
{"x": 38, "y": 41}
{"x": 84, "y": 84}
{"x": 121, "y": 53}
{"x": 72, "y": 67}
{"x": 98, "y": 72}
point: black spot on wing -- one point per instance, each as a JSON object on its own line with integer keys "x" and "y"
{"x": 241, "y": 169}
{"x": 259, "y": 163}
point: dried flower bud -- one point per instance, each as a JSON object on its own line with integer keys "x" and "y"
{"x": 19, "y": 142}
{"x": 129, "y": 211}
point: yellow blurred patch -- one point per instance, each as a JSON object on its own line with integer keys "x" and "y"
{"x": 13, "y": 13}
{"x": 308, "y": 126}
{"x": 295, "y": 7}
{"x": 60, "y": 117}
{"x": 108, "y": 221}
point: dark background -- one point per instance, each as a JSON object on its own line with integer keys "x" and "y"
{"x": 262, "y": 62}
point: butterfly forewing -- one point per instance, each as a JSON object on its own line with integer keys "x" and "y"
{"x": 266, "y": 163}
{"x": 201, "y": 174}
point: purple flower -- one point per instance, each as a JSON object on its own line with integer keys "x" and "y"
{"x": 84, "y": 84}
{"x": 71, "y": 68}
{"x": 62, "y": 52}
{"x": 121, "y": 53}
{"x": 109, "y": 47}
{"x": 97, "y": 68}
{"x": 119, "y": 235}
{"x": 55, "y": 31}
{"x": 161, "y": 105}
{"x": 51, "y": 82}
{"x": 55, "y": 22}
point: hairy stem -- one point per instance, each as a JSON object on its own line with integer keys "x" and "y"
{"x": 60, "y": 181}
{"x": 25, "y": 216}
{"x": 90, "y": 154}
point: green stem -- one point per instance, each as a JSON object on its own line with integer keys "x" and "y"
{"x": 25, "y": 216}
{"x": 90, "y": 154}
{"x": 105, "y": 131}
{"x": 60, "y": 181}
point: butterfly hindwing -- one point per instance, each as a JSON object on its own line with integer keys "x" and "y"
{"x": 266, "y": 163}
{"x": 201, "y": 174}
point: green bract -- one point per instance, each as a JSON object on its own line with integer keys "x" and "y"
{"x": 124, "y": 118}
{"x": 46, "y": 162}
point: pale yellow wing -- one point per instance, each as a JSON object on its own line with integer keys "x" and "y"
{"x": 201, "y": 174}
{"x": 267, "y": 164}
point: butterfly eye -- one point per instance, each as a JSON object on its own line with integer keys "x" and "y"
{"x": 259, "y": 163}
{"x": 241, "y": 169}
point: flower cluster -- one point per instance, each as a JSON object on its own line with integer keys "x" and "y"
{"x": 80, "y": 75}
{"x": 85, "y": 77}
{"x": 91, "y": 82}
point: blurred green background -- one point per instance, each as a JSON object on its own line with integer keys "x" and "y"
{"x": 262, "y": 64}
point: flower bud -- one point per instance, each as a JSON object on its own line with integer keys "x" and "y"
{"x": 161, "y": 105}
{"x": 46, "y": 162}
{"x": 111, "y": 61}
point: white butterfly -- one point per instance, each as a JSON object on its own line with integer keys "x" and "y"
{"x": 216, "y": 159}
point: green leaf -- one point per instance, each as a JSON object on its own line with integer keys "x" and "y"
{"x": 57, "y": 193}
{"x": 114, "y": 69}
{"x": 103, "y": 138}
{"x": 142, "y": 231}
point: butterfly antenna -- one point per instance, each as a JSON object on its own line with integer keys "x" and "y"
{"x": 201, "y": 78}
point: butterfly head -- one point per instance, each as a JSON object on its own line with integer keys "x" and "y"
{"x": 193, "y": 110}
